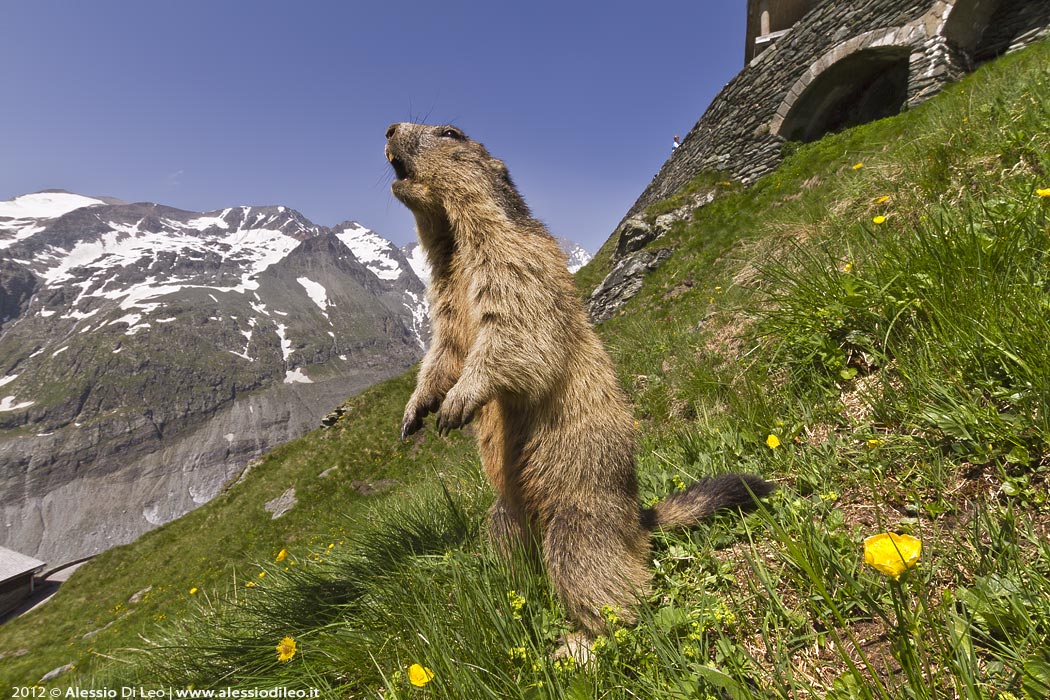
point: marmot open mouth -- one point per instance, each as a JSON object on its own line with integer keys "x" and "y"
{"x": 400, "y": 170}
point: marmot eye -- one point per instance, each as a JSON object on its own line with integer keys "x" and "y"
{"x": 452, "y": 133}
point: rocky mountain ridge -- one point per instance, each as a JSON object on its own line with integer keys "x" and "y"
{"x": 147, "y": 353}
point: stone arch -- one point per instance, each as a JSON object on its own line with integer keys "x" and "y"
{"x": 857, "y": 81}
{"x": 966, "y": 20}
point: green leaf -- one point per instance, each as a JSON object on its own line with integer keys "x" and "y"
{"x": 1018, "y": 455}
{"x": 1036, "y": 679}
{"x": 734, "y": 689}
{"x": 670, "y": 618}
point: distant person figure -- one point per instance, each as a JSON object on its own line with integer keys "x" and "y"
{"x": 676, "y": 143}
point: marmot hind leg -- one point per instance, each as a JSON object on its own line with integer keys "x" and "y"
{"x": 510, "y": 533}
{"x": 593, "y": 563}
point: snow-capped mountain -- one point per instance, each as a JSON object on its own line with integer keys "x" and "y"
{"x": 391, "y": 266}
{"x": 148, "y": 353}
{"x": 577, "y": 256}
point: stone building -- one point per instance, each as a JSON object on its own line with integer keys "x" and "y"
{"x": 768, "y": 20}
{"x": 17, "y": 572}
{"x": 818, "y": 66}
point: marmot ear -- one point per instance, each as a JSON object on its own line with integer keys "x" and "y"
{"x": 498, "y": 165}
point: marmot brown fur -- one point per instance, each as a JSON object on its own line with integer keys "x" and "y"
{"x": 511, "y": 346}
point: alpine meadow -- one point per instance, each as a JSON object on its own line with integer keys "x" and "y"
{"x": 867, "y": 327}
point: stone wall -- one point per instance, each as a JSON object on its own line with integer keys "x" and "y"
{"x": 830, "y": 65}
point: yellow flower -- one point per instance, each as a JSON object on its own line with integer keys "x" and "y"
{"x": 891, "y": 554}
{"x": 193, "y": 591}
{"x": 517, "y": 602}
{"x": 880, "y": 219}
{"x": 331, "y": 546}
{"x": 883, "y": 199}
{"x": 419, "y": 676}
{"x": 847, "y": 267}
{"x": 282, "y": 555}
{"x": 873, "y": 443}
{"x": 250, "y": 584}
{"x": 773, "y": 441}
{"x": 858, "y": 166}
{"x": 262, "y": 574}
{"x": 285, "y": 649}
{"x": 1045, "y": 192}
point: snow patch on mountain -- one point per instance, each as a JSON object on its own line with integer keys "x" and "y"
{"x": 576, "y": 256}
{"x": 206, "y": 222}
{"x": 317, "y": 293}
{"x": 371, "y": 249}
{"x": 44, "y": 205}
{"x": 253, "y": 250}
{"x": 8, "y": 404}
{"x": 297, "y": 376}
{"x": 286, "y": 345}
{"x": 417, "y": 260}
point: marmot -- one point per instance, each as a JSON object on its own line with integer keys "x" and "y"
{"x": 511, "y": 346}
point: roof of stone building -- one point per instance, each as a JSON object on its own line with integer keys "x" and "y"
{"x": 13, "y": 564}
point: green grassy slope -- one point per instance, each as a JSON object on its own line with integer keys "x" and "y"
{"x": 879, "y": 304}
{"x": 217, "y": 547}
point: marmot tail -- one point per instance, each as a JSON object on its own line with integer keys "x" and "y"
{"x": 700, "y": 500}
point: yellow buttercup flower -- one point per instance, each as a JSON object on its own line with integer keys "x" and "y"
{"x": 262, "y": 574}
{"x": 847, "y": 267}
{"x": 883, "y": 199}
{"x": 880, "y": 219}
{"x": 193, "y": 591}
{"x": 419, "y": 676}
{"x": 285, "y": 649}
{"x": 282, "y": 555}
{"x": 773, "y": 441}
{"x": 892, "y": 554}
{"x": 517, "y": 653}
{"x": 858, "y": 166}
{"x": 250, "y": 584}
{"x": 1045, "y": 192}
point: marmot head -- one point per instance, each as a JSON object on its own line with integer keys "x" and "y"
{"x": 439, "y": 171}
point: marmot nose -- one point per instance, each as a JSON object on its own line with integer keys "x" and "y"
{"x": 391, "y": 129}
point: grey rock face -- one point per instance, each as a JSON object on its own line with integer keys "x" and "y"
{"x": 282, "y": 504}
{"x": 631, "y": 263}
{"x": 633, "y": 234}
{"x": 623, "y": 282}
{"x": 17, "y": 285}
{"x": 56, "y": 672}
{"x": 152, "y": 353}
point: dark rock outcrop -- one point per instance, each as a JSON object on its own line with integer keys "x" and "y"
{"x": 623, "y": 282}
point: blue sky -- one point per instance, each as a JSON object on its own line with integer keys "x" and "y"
{"x": 204, "y": 105}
